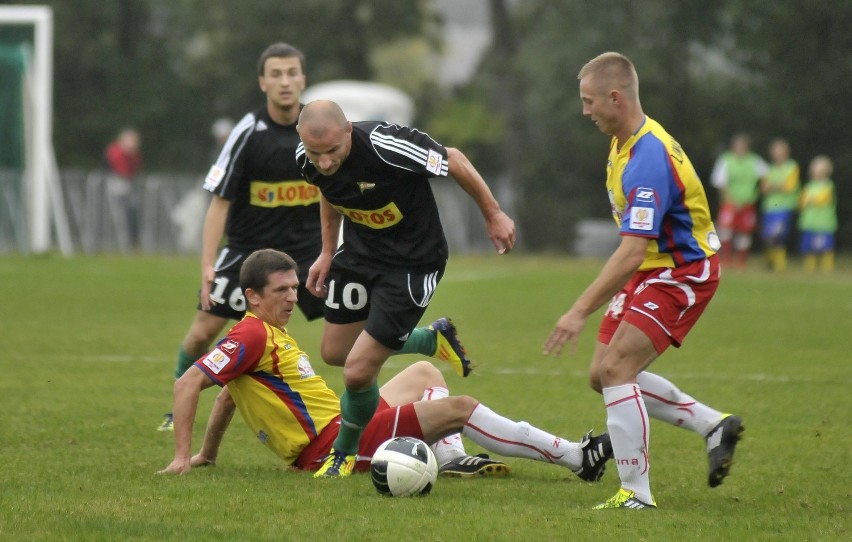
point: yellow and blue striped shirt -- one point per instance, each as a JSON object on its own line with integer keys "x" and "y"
{"x": 655, "y": 192}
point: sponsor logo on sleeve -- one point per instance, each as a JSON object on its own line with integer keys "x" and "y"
{"x": 216, "y": 360}
{"x": 229, "y": 346}
{"x": 641, "y": 218}
{"x": 215, "y": 175}
{"x": 644, "y": 194}
{"x": 434, "y": 162}
{"x": 305, "y": 368}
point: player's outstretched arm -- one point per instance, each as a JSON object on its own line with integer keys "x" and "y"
{"x": 615, "y": 273}
{"x": 187, "y": 390}
{"x": 330, "y": 220}
{"x": 501, "y": 228}
{"x": 220, "y": 419}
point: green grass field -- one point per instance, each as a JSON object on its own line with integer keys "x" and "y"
{"x": 88, "y": 348}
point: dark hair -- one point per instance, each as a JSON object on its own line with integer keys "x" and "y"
{"x": 262, "y": 263}
{"x": 279, "y": 50}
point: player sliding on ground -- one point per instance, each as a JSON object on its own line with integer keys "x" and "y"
{"x": 296, "y": 415}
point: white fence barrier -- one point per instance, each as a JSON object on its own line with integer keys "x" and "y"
{"x": 164, "y": 214}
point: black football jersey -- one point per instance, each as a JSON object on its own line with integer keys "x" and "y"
{"x": 272, "y": 206}
{"x": 382, "y": 189}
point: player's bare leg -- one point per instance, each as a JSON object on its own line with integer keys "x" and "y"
{"x": 438, "y": 340}
{"x": 338, "y": 340}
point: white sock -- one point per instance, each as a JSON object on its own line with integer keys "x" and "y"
{"x": 450, "y": 447}
{"x": 627, "y": 422}
{"x": 666, "y": 402}
{"x": 519, "y": 439}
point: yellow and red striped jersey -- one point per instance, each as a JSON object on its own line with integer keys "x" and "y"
{"x": 272, "y": 382}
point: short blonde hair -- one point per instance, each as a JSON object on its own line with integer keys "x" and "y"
{"x": 614, "y": 69}
{"x": 823, "y": 162}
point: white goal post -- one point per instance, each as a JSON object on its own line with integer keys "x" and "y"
{"x": 42, "y": 189}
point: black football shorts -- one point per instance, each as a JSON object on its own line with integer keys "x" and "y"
{"x": 392, "y": 302}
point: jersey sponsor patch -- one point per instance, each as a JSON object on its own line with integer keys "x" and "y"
{"x": 216, "y": 360}
{"x": 641, "y": 218}
{"x": 306, "y": 370}
{"x": 377, "y": 219}
{"x": 645, "y": 194}
{"x": 713, "y": 241}
{"x": 230, "y": 346}
{"x": 283, "y": 194}
{"x": 434, "y": 162}
{"x": 215, "y": 175}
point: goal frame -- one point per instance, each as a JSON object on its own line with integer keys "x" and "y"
{"x": 42, "y": 190}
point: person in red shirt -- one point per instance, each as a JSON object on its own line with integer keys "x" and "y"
{"x": 123, "y": 159}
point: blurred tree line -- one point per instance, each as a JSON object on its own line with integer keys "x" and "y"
{"x": 707, "y": 70}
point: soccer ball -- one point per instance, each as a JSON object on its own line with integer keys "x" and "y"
{"x": 404, "y": 466}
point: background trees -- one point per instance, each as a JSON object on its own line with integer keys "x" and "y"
{"x": 707, "y": 69}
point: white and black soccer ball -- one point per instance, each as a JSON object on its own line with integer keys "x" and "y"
{"x": 404, "y": 466}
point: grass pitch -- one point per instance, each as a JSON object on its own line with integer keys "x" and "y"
{"x": 88, "y": 350}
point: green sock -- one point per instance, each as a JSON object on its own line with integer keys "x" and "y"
{"x": 421, "y": 340}
{"x": 184, "y": 362}
{"x": 356, "y": 410}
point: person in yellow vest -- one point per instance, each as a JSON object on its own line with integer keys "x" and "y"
{"x": 780, "y": 191}
{"x": 737, "y": 174}
{"x": 818, "y": 216}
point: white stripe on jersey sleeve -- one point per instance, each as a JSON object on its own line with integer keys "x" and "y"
{"x": 222, "y": 169}
{"x": 401, "y": 146}
{"x": 405, "y": 149}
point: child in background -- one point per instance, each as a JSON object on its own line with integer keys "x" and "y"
{"x": 780, "y": 189}
{"x": 818, "y": 216}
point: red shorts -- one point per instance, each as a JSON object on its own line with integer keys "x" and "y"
{"x": 388, "y": 422}
{"x": 739, "y": 219}
{"x": 664, "y": 303}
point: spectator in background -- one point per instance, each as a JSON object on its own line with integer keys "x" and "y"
{"x": 737, "y": 174}
{"x": 780, "y": 189}
{"x": 123, "y": 159}
{"x": 194, "y": 203}
{"x": 220, "y": 131}
{"x": 818, "y": 216}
